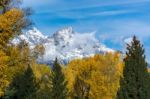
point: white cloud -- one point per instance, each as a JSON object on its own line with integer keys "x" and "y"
{"x": 114, "y": 12}
{"x": 80, "y": 15}
{"x": 128, "y": 40}
{"x": 127, "y": 28}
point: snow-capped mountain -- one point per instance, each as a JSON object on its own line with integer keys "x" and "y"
{"x": 32, "y": 37}
{"x": 64, "y": 44}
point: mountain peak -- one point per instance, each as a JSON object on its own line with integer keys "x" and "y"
{"x": 64, "y": 44}
{"x": 33, "y": 37}
{"x": 63, "y": 36}
{"x": 65, "y": 31}
{"x": 34, "y": 31}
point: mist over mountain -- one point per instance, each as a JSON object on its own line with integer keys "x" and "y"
{"x": 65, "y": 44}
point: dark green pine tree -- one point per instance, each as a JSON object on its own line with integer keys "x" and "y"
{"x": 135, "y": 81}
{"x": 59, "y": 90}
{"x": 23, "y": 86}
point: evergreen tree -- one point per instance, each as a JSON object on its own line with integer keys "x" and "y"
{"x": 23, "y": 86}
{"x": 59, "y": 90}
{"x": 135, "y": 81}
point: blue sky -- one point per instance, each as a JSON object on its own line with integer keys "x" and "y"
{"x": 113, "y": 20}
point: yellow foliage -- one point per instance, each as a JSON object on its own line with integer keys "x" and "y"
{"x": 148, "y": 70}
{"x": 40, "y": 70}
{"x": 98, "y": 76}
{"x": 42, "y": 73}
{"x": 16, "y": 63}
{"x": 3, "y": 76}
{"x": 10, "y": 25}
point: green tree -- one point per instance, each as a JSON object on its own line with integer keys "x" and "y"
{"x": 59, "y": 90}
{"x": 134, "y": 84}
{"x": 23, "y": 86}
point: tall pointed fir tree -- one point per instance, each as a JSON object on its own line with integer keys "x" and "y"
{"x": 23, "y": 86}
{"x": 135, "y": 81}
{"x": 59, "y": 90}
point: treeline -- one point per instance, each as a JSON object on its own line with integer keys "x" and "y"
{"x": 108, "y": 76}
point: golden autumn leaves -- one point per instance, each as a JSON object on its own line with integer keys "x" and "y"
{"x": 7, "y": 23}
{"x": 3, "y": 78}
{"x": 10, "y": 25}
{"x": 95, "y": 77}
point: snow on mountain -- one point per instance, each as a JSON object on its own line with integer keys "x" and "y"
{"x": 33, "y": 37}
{"x": 64, "y": 44}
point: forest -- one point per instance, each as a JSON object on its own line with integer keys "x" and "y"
{"x": 103, "y": 76}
